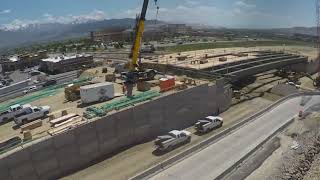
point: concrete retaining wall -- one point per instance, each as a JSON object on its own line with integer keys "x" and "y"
{"x": 56, "y": 156}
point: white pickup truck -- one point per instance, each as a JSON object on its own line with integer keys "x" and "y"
{"x": 12, "y": 112}
{"x": 175, "y": 137}
{"x": 31, "y": 114}
{"x": 209, "y": 123}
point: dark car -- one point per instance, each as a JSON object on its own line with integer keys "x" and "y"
{"x": 35, "y": 73}
{"x": 50, "y": 83}
{"x": 10, "y": 143}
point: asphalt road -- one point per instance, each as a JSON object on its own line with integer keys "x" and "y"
{"x": 209, "y": 163}
{"x": 61, "y": 78}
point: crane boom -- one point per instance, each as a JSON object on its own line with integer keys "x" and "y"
{"x": 138, "y": 36}
{"x": 136, "y": 73}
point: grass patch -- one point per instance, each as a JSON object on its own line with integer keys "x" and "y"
{"x": 201, "y": 46}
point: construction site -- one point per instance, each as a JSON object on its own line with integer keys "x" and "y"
{"x": 105, "y": 123}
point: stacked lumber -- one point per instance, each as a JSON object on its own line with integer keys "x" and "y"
{"x": 67, "y": 125}
{"x": 30, "y": 126}
{"x": 62, "y": 119}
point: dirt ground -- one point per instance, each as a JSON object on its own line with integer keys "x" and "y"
{"x": 271, "y": 168}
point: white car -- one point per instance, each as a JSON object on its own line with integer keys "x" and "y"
{"x": 293, "y": 84}
{"x": 209, "y": 123}
{"x": 174, "y": 138}
{"x": 32, "y": 113}
{"x": 13, "y": 111}
{"x": 30, "y": 89}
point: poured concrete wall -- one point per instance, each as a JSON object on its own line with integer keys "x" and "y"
{"x": 56, "y": 156}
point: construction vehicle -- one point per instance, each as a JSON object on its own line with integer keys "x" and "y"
{"x": 135, "y": 71}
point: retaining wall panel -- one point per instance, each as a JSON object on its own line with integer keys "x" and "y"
{"x": 23, "y": 170}
{"x": 43, "y": 157}
{"x": 141, "y": 115}
{"x": 20, "y": 165}
{"x": 87, "y": 140}
{"x": 50, "y": 175}
{"x": 106, "y": 134}
{"x": 86, "y": 134}
{"x": 4, "y": 170}
{"x": 106, "y": 125}
{"x": 63, "y": 139}
{"x": 125, "y": 126}
{"x": 68, "y": 157}
{"x": 156, "y": 118}
{"x": 143, "y": 133}
{"x": 49, "y": 165}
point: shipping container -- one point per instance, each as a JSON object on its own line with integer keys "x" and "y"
{"x": 97, "y": 92}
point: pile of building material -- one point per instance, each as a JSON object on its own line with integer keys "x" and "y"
{"x": 167, "y": 83}
{"x": 30, "y": 126}
{"x": 223, "y": 59}
{"x": 94, "y": 112}
{"x": 65, "y": 123}
{"x": 182, "y": 58}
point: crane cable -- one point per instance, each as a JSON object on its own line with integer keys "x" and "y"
{"x": 156, "y": 4}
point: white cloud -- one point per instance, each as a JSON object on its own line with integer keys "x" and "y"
{"x": 49, "y": 18}
{"x": 6, "y": 11}
{"x": 192, "y": 2}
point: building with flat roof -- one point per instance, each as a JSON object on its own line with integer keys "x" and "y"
{"x": 22, "y": 61}
{"x": 63, "y": 63}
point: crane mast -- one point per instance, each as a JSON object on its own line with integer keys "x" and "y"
{"x": 317, "y": 79}
{"x": 135, "y": 72}
{"x": 138, "y": 36}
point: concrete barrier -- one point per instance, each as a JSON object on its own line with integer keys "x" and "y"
{"x": 198, "y": 147}
{"x": 254, "y": 161}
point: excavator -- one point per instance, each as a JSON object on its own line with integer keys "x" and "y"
{"x": 135, "y": 72}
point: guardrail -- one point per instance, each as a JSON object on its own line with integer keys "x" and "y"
{"x": 202, "y": 145}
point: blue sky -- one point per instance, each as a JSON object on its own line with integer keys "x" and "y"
{"x": 226, "y": 13}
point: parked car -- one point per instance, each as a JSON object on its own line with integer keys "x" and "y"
{"x": 168, "y": 142}
{"x": 12, "y": 112}
{"x": 35, "y": 73}
{"x": 31, "y": 114}
{"x": 30, "y": 89}
{"x": 293, "y": 84}
{"x": 209, "y": 123}
{"x": 50, "y": 83}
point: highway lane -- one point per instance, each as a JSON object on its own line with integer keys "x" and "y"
{"x": 61, "y": 78}
{"x": 209, "y": 163}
